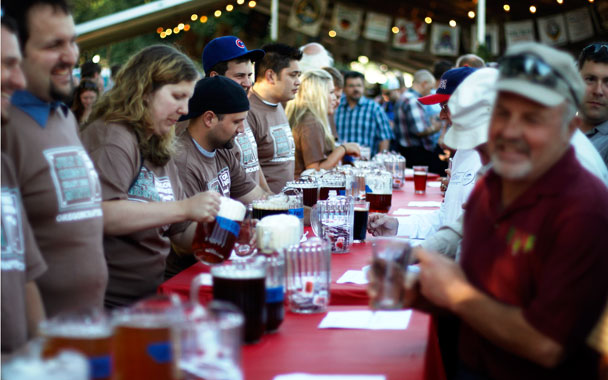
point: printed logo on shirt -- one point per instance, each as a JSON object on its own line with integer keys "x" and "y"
{"x": 221, "y": 183}
{"x": 150, "y": 188}
{"x": 12, "y": 231}
{"x": 249, "y": 150}
{"x": 463, "y": 178}
{"x": 519, "y": 241}
{"x": 76, "y": 183}
{"x": 284, "y": 146}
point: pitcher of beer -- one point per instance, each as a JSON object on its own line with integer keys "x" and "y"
{"x": 213, "y": 242}
{"x": 145, "y": 339}
{"x": 333, "y": 220}
{"x": 88, "y": 332}
{"x": 309, "y": 186}
{"x": 379, "y": 190}
{"x": 332, "y": 180}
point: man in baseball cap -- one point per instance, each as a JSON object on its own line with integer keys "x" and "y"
{"x": 531, "y": 280}
{"x": 216, "y": 113}
{"x": 447, "y": 84}
{"x": 228, "y": 56}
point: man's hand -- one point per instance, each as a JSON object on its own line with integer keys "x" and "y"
{"x": 203, "y": 207}
{"x": 382, "y": 225}
{"x": 442, "y": 281}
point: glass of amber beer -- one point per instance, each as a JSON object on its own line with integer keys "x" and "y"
{"x": 89, "y": 333}
{"x": 144, "y": 340}
{"x": 213, "y": 242}
{"x": 379, "y": 190}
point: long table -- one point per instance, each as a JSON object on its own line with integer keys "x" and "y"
{"x": 340, "y": 294}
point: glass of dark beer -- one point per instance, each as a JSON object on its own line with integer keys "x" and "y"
{"x": 379, "y": 190}
{"x": 213, "y": 242}
{"x": 360, "y": 225}
{"x": 309, "y": 188}
{"x": 266, "y": 207}
{"x": 243, "y": 283}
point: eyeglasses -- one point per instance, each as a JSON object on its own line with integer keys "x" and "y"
{"x": 532, "y": 68}
{"x": 594, "y": 48}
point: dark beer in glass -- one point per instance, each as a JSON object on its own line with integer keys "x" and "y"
{"x": 379, "y": 202}
{"x": 360, "y": 224}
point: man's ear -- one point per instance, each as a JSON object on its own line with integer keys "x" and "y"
{"x": 575, "y": 123}
{"x": 270, "y": 76}
{"x": 213, "y": 74}
{"x": 209, "y": 119}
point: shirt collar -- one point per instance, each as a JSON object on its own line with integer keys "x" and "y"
{"x": 264, "y": 101}
{"x": 37, "y": 109}
{"x": 344, "y": 102}
{"x": 203, "y": 151}
{"x": 602, "y": 128}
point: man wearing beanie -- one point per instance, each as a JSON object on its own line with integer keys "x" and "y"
{"x": 216, "y": 113}
{"x": 228, "y": 56}
{"x": 531, "y": 280}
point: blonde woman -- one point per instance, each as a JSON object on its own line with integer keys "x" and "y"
{"x": 308, "y": 117}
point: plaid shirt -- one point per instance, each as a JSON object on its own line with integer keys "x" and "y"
{"x": 365, "y": 124}
{"x": 410, "y": 120}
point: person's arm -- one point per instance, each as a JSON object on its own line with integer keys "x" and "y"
{"x": 256, "y": 193}
{"x": 335, "y": 156}
{"x": 444, "y": 283}
{"x": 263, "y": 184}
{"x": 383, "y": 145}
{"x": 122, "y": 217}
{"x": 34, "y": 309}
{"x": 446, "y": 240}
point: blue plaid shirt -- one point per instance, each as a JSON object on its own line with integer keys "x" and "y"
{"x": 365, "y": 124}
{"x": 411, "y": 119}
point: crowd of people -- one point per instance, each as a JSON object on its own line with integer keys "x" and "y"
{"x": 100, "y": 203}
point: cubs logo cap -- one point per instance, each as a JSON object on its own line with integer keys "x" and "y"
{"x": 227, "y": 48}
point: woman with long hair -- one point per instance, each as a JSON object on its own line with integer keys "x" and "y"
{"x": 131, "y": 142}
{"x": 308, "y": 117}
{"x": 85, "y": 96}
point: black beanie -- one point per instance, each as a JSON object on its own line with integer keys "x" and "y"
{"x": 218, "y": 94}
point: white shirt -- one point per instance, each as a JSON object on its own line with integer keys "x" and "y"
{"x": 588, "y": 156}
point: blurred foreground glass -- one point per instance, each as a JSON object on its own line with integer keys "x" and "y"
{"x": 213, "y": 242}
{"x": 390, "y": 259}
{"x": 308, "y": 276}
{"x": 145, "y": 339}
{"x": 243, "y": 283}
{"x": 245, "y": 244}
{"x": 28, "y": 364}
{"x": 333, "y": 220}
{"x": 210, "y": 340}
{"x": 395, "y": 164}
{"x": 88, "y": 332}
{"x": 420, "y": 174}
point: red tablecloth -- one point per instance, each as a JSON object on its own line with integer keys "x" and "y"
{"x": 299, "y": 346}
{"x": 341, "y": 294}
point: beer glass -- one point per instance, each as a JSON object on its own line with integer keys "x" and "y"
{"x": 360, "y": 221}
{"x": 379, "y": 190}
{"x": 213, "y": 242}
{"x": 390, "y": 259}
{"x": 275, "y": 290}
{"x": 332, "y": 180}
{"x": 245, "y": 244}
{"x": 271, "y": 206}
{"x": 420, "y": 174}
{"x": 27, "y": 364}
{"x": 365, "y": 152}
{"x": 333, "y": 220}
{"x": 89, "y": 333}
{"x": 395, "y": 164}
{"x": 308, "y": 276}
{"x": 309, "y": 187}
{"x": 243, "y": 283}
{"x": 145, "y": 339}
{"x": 276, "y": 232}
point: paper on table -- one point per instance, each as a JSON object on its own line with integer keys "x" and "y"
{"x": 424, "y": 204}
{"x": 353, "y": 276}
{"x": 206, "y": 279}
{"x": 310, "y": 376}
{"x": 367, "y": 319}
{"x": 411, "y": 211}
{"x": 433, "y": 184}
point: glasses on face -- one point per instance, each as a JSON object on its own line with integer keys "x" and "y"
{"x": 531, "y": 68}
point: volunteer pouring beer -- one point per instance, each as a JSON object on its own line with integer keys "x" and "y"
{"x": 131, "y": 141}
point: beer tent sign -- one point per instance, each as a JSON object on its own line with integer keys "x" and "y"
{"x": 347, "y": 22}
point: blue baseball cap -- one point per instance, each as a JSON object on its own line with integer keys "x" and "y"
{"x": 447, "y": 84}
{"x": 227, "y": 48}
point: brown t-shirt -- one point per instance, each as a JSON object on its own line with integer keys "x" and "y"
{"x": 246, "y": 151}
{"x": 136, "y": 261}
{"x": 311, "y": 144}
{"x": 276, "y": 149}
{"x": 21, "y": 260}
{"x": 62, "y": 198}
{"x": 199, "y": 171}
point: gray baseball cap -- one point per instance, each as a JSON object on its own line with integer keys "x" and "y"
{"x": 540, "y": 73}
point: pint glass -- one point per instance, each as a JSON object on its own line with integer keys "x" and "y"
{"x": 379, "y": 190}
{"x": 213, "y": 242}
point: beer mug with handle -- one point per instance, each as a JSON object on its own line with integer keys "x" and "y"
{"x": 333, "y": 220}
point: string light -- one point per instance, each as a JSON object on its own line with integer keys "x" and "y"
{"x": 452, "y": 23}
{"x": 217, "y": 13}
{"x": 363, "y": 59}
{"x": 252, "y": 4}
{"x": 159, "y": 30}
{"x": 532, "y": 9}
{"x": 163, "y": 35}
{"x": 506, "y": 7}
{"x": 203, "y": 19}
{"x": 471, "y": 14}
{"x": 332, "y": 33}
{"x": 395, "y": 29}
{"x": 240, "y": 2}
{"x": 560, "y": 1}
{"x": 186, "y": 27}
{"x": 168, "y": 32}
{"x": 180, "y": 26}
{"x": 428, "y": 20}
{"x": 229, "y": 7}
{"x": 176, "y": 30}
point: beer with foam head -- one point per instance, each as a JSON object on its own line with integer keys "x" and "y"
{"x": 213, "y": 242}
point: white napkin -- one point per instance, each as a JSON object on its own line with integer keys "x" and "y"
{"x": 433, "y": 184}
{"x": 354, "y": 277}
{"x": 367, "y": 319}
{"x": 411, "y": 211}
{"x": 310, "y": 376}
{"x": 424, "y": 204}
